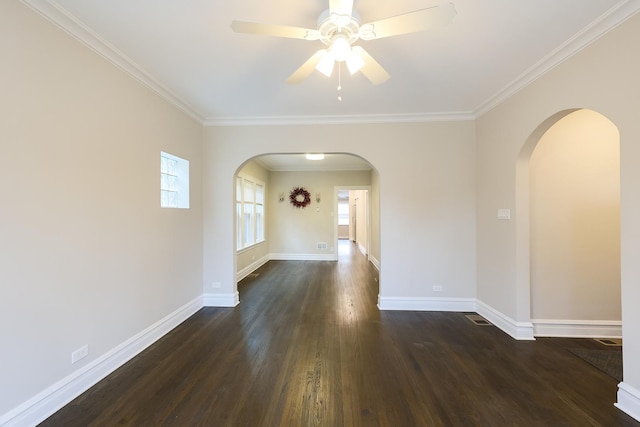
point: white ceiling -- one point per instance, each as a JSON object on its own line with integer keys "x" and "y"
{"x": 187, "y": 51}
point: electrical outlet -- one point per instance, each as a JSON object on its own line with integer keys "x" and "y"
{"x": 437, "y": 288}
{"x": 215, "y": 285}
{"x": 80, "y": 353}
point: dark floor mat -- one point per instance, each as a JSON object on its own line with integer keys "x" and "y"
{"x": 608, "y": 361}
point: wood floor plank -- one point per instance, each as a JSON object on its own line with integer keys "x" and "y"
{"x": 307, "y": 346}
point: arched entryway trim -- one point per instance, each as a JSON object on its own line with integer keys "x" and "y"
{"x": 327, "y": 196}
{"x": 523, "y": 239}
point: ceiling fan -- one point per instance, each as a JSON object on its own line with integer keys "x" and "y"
{"x": 339, "y": 28}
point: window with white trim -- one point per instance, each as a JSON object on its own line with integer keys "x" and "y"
{"x": 249, "y": 211}
{"x": 174, "y": 181}
{"x": 343, "y": 212}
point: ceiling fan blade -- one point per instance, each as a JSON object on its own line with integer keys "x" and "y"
{"x": 419, "y": 20}
{"x": 275, "y": 30}
{"x": 371, "y": 69}
{"x": 341, "y": 7}
{"x": 307, "y": 68}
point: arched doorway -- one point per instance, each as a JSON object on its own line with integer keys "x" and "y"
{"x": 308, "y": 233}
{"x": 569, "y": 173}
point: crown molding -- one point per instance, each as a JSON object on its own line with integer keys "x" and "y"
{"x": 615, "y": 16}
{"x": 60, "y": 17}
{"x": 56, "y": 14}
{"x": 339, "y": 120}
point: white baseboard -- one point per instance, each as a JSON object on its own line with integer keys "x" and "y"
{"x": 51, "y": 399}
{"x": 221, "y": 300}
{"x": 303, "y": 257}
{"x": 629, "y": 400}
{"x": 518, "y": 330}
{"x": 577, "y": 328}
{"x": 251, "y": 268}
{"x": 375, "y": 262}
{"x": 426, "y": 304}
{"x": 362, "y": 249}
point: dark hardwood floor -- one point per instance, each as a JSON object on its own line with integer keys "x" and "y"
{"x": 307, "y": 346}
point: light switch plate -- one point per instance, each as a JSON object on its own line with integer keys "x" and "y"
{"x": 504, "y": 213}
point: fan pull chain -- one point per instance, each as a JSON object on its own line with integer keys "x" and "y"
{"x": 339, "y": 81}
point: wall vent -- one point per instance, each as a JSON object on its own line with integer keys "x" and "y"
{"x": 321, "y": 245}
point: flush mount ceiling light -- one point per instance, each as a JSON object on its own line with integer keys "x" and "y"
{"x": 339, "y": 28}
{"x": 314, "y": 156}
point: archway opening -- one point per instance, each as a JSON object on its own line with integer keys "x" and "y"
{"x": 268, "y": 227}
{"x": 569, "y": 199}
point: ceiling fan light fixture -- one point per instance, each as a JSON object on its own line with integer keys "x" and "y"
{"x": 354, "y": 63}
{"x": 326, "y": 64}
{"x": 314, "y": 156}
{"x": 340, "y": 48}
{"x": 339, "y": 28}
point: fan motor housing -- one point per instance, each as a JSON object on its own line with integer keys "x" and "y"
{"x": 329, "y": 25}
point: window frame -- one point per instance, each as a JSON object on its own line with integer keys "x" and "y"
{"x": 249, "y": 206}
{"x": 174, "y": 181}
{"x": 343, "y": 216}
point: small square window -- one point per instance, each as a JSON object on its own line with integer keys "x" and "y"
{"x": 174, "y": 181}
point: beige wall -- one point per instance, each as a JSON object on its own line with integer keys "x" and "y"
{"x": 374, "y": 206}
{"x": 352, "y": 217}
{"x": 87, "y": 256}
{"x": 426, "y": 189}
{"x": 575, "y": 220}
{"x": 296, "y": 231}
{"x": 603, "y": 78}
{"x": 359, "y": 204}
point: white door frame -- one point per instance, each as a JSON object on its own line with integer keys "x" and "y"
{"x": 335, "y": 215}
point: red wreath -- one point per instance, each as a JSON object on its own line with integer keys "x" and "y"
{"x": 299, "y": 197}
